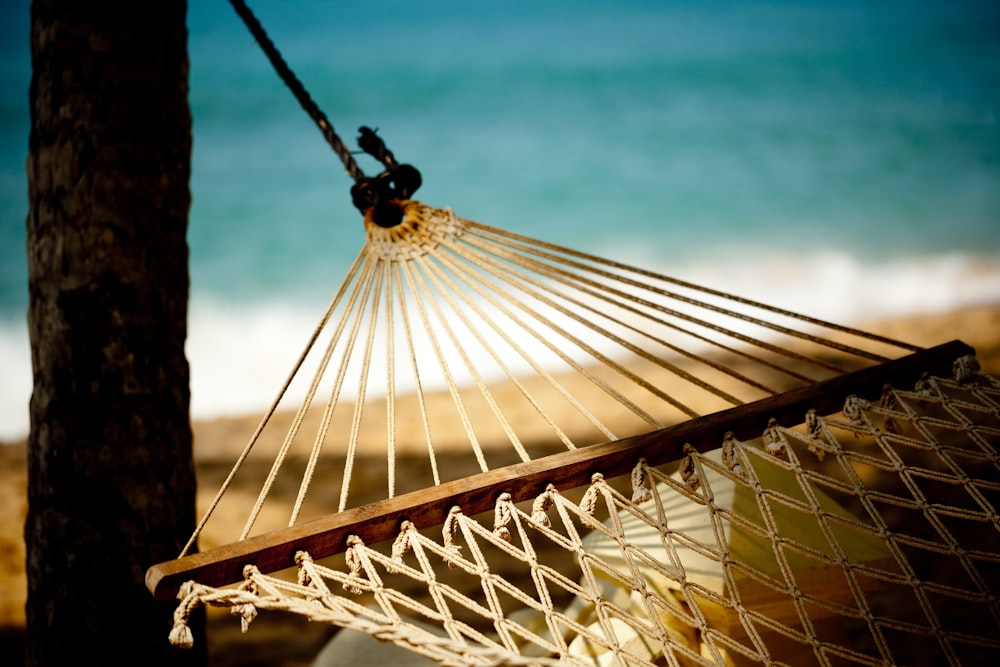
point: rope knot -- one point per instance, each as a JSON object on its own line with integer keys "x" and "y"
{"x": 814, "y": 427}
{"x": 688, "y": 469}
{"x": 966, "y": 369}
{"x": 502, "y": 517}
{"x": 450, "y": 531}
{"x": 540, "y": 508}
{"x": 640, "y": 482}
{"x": 353, "y": 560}
{"x": 926, "y": 386}
{"x": 401, "y": 545}
{"x": 854, "y": 408}
{"x": 730, "y": 454}
{"x": 247, "y": 613}
{"x": 888, "y": 402}
{"x": 303, "y": 560}
{"x": 180, "y": 634}
{"x": 249, "y": 582}
{"x": 380, "y": 195}
{"x": 774, "y": 443}
{"x": 589, "y": 501}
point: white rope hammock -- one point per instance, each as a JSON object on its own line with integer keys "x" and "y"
{"x": 671, "y": 474}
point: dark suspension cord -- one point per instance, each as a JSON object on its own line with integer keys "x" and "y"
{"x": 377, "y": 194}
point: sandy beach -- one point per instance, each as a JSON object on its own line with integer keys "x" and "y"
{"x": 218, "y": 441}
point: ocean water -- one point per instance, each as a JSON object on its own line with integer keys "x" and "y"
{"x": 840, "y": 159}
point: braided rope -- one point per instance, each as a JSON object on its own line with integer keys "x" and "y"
{"x": 293, "y": 83}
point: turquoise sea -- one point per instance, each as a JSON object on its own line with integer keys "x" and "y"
{"x": 837, "y": 158}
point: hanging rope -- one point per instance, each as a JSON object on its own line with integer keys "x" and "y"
{"x": 375, "y": 196}
{"x": 293, "y": 83}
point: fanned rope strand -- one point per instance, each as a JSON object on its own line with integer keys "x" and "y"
{"x": 415, "y": 368}
{"x": 457, "y": 400}
{"x": 592, "y": 351}
{"x": 470, "y": 365}
{"x": 526, "y": 327}
{"x": 390, "y": 378}
{"x": 359, "y": 403}
{"x": 628, "y": 302}
{"x": 359, "y": 291}
{"x": 439, "y": 277}
{"x": 269, "y": 413}
{"x": 529, "y": 242}
{"x": 357, "y": 297}
{"x": 552, "y": 269}
{"x": 574, "y": 306}
{"x": 469, "y": 279}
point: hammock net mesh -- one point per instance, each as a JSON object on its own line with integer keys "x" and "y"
{"x": 631, "y": 475}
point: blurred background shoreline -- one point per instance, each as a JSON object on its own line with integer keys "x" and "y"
{"x": 842, "y": 161}
{"x": 839, "y": 160}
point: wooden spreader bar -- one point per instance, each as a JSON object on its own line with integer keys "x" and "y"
{"x": 381, "y": 520}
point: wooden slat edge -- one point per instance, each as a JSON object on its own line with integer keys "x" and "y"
{"x": 380, "y": 520}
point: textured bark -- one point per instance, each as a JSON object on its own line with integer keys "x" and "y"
{"x": 111, "y": 477}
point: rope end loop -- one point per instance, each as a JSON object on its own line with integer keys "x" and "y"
{"x": 382, "y": 194}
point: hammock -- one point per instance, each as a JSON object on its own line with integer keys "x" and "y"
{"x": 646, "y": 471}
{"x": 847, "y": 514}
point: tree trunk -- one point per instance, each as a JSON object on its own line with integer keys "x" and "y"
{"x": 111, "y": 477}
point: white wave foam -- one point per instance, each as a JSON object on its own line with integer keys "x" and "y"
{"x": 842, "y": 289}
{"x": 240, "y": 356}
{"x": 15, "y": 380}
